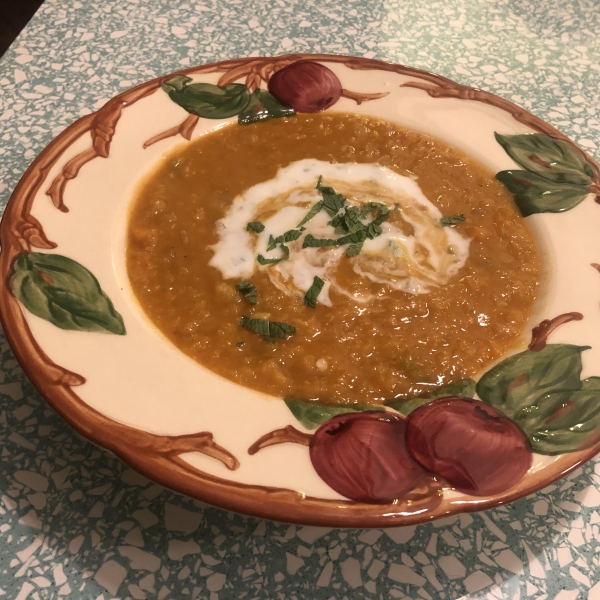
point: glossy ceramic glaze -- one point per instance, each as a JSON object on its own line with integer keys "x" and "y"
{"x": 112, "y": 376}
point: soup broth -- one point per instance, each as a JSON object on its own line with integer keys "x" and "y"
{"x": 391, "y": 321}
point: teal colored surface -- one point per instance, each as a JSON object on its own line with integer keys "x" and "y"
{"x": 77, "y": 523}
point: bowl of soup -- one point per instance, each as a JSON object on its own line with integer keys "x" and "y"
{"x": 314, "y": 288}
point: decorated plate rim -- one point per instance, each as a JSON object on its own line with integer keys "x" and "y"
{"x": 157, "y": 457}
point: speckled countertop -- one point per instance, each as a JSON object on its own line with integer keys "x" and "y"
{"x": 75, "y": 522}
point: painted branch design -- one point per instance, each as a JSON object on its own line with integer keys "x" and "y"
{"x": 102, "y": 125}
{"x": 102, "y": 129}
{"x": 31, "y": 234}
{"x": 449, "y": 89}
{"x": 288, "y": 434}
{"x": 185, "y": 130}
{"x": 173, "y": 446}
{"x": 539, "y": 334}
{"x": 19, "y": 231}
{"x": 360, "y": 98}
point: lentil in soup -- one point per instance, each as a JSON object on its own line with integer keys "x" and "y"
{"x": 426, "y": 299}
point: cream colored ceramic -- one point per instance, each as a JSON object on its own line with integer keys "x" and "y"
{"x": 167, "y": 416}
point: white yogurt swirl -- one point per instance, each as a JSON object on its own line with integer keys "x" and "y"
{"x": 413, "y": 255}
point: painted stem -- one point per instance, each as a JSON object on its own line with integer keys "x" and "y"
{"x": 185, "y": 130}
{"x": 454, "y": 90}
{"x": 173, "y": 446}
{"x": 594, "y": 188}
{"x": 359, "y": 98}
{"x": 102, "y": 128}
{"x": 288, "y": 434}
{"x": 539, "y": 335}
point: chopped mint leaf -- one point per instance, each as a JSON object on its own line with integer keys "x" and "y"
{"x": 267, "y": 261}
{"x": 281, "y": 330}
{"x": 383, "y": 210}
{"x": 247, "y": 290}
{"x": 310, "y": 298}
{"x": 356, "y": 237}
{"x": 453, "y": 220}
{"x": 272, "y": 243}
{"x": 289, "y": 236}
{"x": 332, "y": 202}
{"x": 273, "y": 261}
{"x": 365, "y": 210}
{"x": 373, "y": 230}
{"x": 312, "y": 242}
{"x": 384, "y": 213}
{"x": 260, "y": 326}
{"x": 270, "y": 330}
{"x": 311, "y": 213}
{"x": 255, "y": 226}
{"x": 354, "y": 250}
{"x": 348, "y": 221}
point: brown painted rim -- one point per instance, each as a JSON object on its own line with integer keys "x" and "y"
{"x": 157, "y": 457}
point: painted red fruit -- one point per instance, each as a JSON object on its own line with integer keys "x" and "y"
{"x": 363, "y": 456}
{"x": 474, "y": 447}
{"x": 306, "y": 86}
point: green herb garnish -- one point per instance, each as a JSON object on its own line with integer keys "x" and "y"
{"x": 271, "y": 244}
{"x": 332, "y": 202}
{"x": 311, "y": 213}
{"x": 310, "y": 298}
{"x": 347, "y": 224}
{"x": 312, "y": 242}
{"x": 247, "y": 290}
{"x": 273, "y": 261}
{"x": 289, "y": 236}
{"x": 356, "y": 237}
{"x": 353, "y": 230}
{"x": 354, "y": 250}
{"x": 255, "y": 226}
{"x": 348, "y": 221}
{"x": 269, "y": 330}
{"x": 240, "y": 344}
{"x": 453, "y": 220}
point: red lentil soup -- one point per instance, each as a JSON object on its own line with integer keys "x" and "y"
{"x": 397, "y": 345}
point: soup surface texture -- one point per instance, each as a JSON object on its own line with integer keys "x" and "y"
{"x": 425, "y": 300}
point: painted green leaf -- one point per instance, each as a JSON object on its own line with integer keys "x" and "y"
{"x": 514, "y": 385}
{"x": 564, "y": 421}
{"x": 542, "y": 392}
{"x": 263, "y": 106}
{"x": 534, "y": 194}
{"x": 207, "y": 100}
{"x": 591, "y": 383}
{"x": 312, "y": 415}
{"x": 557, "y": 160}
{"x": 570, "y": 423}
{"x": 464, "y": 388}
{"x": 63, "y": 292}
